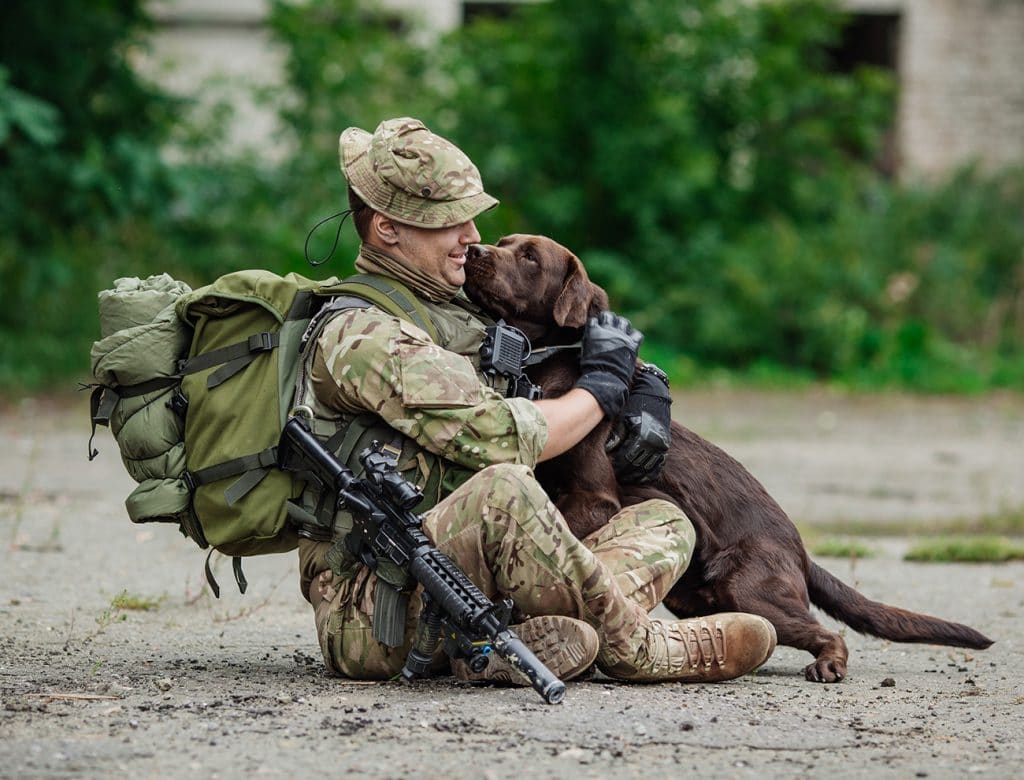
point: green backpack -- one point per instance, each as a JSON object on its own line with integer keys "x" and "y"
{"x": 196, "y": 386}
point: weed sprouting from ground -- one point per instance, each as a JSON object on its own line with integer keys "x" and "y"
{"x": 967, "y": 549}
{"x": 130, "y": 601}
{"x": 116, "y": 612}
{"x": 1006, "y": 521}
{"x": 21, "y": 498}
{"x": 835, "y": 547}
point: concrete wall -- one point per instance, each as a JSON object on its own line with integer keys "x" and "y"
{"x": 962, "y": 84}
{"x": 960, "y": 69}
{"x": 218, "y": 50}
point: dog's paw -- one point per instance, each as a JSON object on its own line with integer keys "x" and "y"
{"x": 825, "y": 670}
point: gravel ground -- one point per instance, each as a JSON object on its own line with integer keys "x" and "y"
{"x": 197, "y": 687}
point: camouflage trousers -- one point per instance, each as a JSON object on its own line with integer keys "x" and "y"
{"x": 507, "y": 536}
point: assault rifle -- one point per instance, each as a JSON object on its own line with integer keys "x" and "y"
{"x": 386, "y": 529}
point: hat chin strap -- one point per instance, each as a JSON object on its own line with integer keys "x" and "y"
{"x": 374, "y": 260}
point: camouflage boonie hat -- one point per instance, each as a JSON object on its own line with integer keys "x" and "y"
{"x": 409, "y": 174}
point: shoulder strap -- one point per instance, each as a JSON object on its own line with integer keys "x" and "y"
{"x": 392, "y": 296}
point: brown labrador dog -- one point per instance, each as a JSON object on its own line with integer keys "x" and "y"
{"x": 749, "y": 556}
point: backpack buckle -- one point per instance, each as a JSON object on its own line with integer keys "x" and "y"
{"x": 178, "y": 403}
{"x": 261, "y": 342}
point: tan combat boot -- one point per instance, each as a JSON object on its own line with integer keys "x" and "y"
{"x": 705, "y": 649}
{"x": 564, "y": 645}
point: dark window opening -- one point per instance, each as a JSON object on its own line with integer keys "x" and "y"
{"x": 472, "y": 10}
{"x": 395, "y": 23}
{"x": 872, "y": 40}
{"x": 868, "y": 39}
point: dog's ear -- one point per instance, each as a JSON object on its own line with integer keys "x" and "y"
{"x": 579, "y": 297}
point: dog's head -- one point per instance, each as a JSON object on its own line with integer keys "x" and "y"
{"x": 533, "y": 283}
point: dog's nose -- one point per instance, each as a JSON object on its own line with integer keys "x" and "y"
{"x": 475, "y": 251}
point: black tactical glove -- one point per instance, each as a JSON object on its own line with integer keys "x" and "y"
{"x": 643, "y": 439}
{"x": 608, "y": 359}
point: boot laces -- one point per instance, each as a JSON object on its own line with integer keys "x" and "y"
{"x": 705, "y": 643}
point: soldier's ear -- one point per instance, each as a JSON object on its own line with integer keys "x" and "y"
{"x": 383, "y": 229}
{"x": 579, "y": 297}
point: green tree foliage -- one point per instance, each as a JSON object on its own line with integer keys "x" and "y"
{"x": 349, "y": 63}
{"x": 717, "y": 177}
{"x": 711, "y": 169}
{"x": 84, "y": 146}
{"x": 654, "y": 138}
{"x": 80, "y": 138}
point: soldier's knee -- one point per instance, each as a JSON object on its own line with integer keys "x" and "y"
{"x": 507, "y": 471}
{"x": 510, "y": 481}
{"x": 669, "y": 514}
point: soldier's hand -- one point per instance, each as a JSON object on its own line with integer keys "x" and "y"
{"x": 608, "y": 358}
{"x": 640, "y": 449}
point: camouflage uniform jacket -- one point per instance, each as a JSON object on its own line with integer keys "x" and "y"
{"x": 365, "y": 360}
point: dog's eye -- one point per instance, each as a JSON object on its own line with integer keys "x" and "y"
{"x": 528, "y": 255}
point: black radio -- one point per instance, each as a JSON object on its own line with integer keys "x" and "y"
{"x": 502, "y": 353}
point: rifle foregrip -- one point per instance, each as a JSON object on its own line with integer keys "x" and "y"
{"x": 457, "y": 596}
{"x": 519, "y": 656}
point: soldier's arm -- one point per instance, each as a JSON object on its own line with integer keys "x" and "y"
{"x": 570, "y": 418}
{"x": 367, "y": 360}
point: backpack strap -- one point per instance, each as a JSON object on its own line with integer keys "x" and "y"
{"x": 234, "y": 358}
{"x": 236, "y": 567}
{"x": 253, "y": 468}
{"x": 392, "y": 296}
{"x": 104, "y": 398}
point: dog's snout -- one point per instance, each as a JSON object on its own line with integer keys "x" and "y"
{"x": 476, "y": 252}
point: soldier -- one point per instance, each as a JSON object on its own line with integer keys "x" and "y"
{"x": 367, "y": 373}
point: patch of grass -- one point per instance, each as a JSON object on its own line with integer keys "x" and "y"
{"x": 1007, "y": 521}
{"x": 104, "y": 619}
{"x": 115, "y": 613}
{"x": 129, "y": 601}
{"x": 834, "y": 547}
{"x": 968, "y": 549}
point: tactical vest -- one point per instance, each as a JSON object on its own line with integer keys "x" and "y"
{"x": 457, "y": 326}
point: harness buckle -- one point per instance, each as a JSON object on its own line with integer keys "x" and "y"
{"x": 178, "y": 403}
{"x": 261, "y": 342}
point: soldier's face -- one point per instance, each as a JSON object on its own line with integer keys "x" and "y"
{"x": 440, "y": 252}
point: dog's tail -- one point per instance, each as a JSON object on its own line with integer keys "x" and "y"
{"x": 872, "y": 617}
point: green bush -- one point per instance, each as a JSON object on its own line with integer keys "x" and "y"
{"x": 703, "y": 159}
{"x": 653, "y": 137}
{"x": 86, "y": 194}
{"x": 84, "y": 148}
{"x": 717, "y": 179}
{"x": 968, "y": 549}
